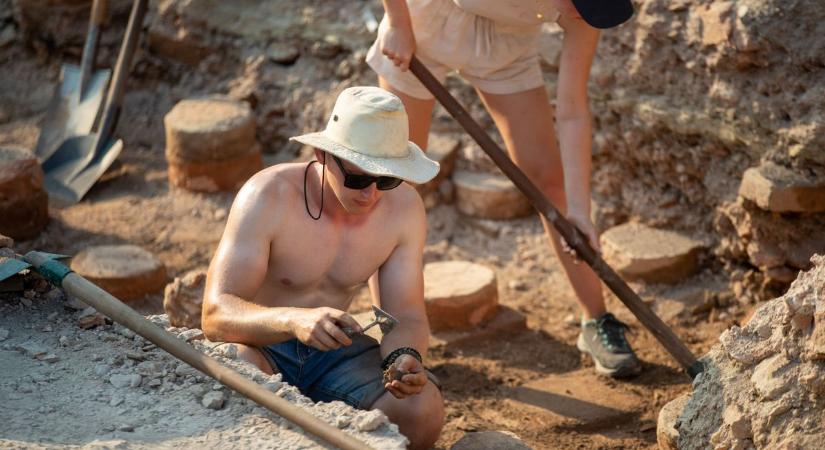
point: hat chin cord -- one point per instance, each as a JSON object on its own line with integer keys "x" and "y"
{"x": 323, "y": 179}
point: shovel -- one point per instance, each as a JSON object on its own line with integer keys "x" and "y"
{"x": 677, "y": 349}
{"x": 77, "y": 99}
{"x": 81, "y": 160}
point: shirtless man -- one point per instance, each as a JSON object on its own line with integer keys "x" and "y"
{"x": 301, "y": 239}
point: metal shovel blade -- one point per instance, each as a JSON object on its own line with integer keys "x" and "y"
{"x": 65, "y": 191}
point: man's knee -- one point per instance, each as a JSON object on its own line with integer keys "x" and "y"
{"x": 254, "y": 356}
{"x": 424, "y": 420}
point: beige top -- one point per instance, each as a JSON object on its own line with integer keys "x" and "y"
{"x": 511, "y": 12}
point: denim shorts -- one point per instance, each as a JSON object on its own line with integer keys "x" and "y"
{"x": 350, "y": 374}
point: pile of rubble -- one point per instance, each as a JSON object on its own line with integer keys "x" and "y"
{"x": 764, "y": 384}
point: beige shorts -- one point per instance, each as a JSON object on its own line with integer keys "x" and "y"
{"x": 495, "y": 57}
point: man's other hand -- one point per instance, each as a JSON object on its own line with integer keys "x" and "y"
{"x": 321, "y": 327}
{"x": 413, "y": 380}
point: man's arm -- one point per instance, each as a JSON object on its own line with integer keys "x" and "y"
{"x": 237, "y": 272}
{"x": 573, "y": 119}
{"x": 401, "y": 279}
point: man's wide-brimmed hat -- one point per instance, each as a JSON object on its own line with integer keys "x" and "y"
{"x": 369, "y": 128}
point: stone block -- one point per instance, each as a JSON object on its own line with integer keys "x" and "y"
{"x": 23, "y": 201}
{"x": 490, "y": 440}
{"x": 639, "y": 252}
{"x": 779, "y": 189}
{"x": 489, "y": 196}
{"x": 183, "y": 299}
{"x": 459, "y": 295}
{"x": 210, "y": 144}
{"x": 127, "y": 272}
{"x": 443, "y": 149}
{"x": 177, "y": 43}
{"x": 667, "y": 435}
{"x": 578, "y": 398}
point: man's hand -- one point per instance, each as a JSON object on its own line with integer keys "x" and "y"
{"x": 321, "y": 327}
{"x": 397, "y": 43}
{"x": 413, "y": 380}
{"x": 583, "y": 223}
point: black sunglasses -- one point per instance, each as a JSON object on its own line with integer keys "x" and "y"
{"x": 359, "y": 181}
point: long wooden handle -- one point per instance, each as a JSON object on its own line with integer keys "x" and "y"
{"x": 570, "y": 233}
{"x": 126, "y": 316}
{"x": 87, "y": 61}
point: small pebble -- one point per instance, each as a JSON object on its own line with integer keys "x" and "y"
{"x": 126, "y": 427}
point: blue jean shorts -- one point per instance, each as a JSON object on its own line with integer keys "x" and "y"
{"x": 350, "y": 374}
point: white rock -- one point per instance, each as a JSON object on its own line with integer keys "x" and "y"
{"x": 213, "y": 400}
{"x": 122, "y": 381}
{"x": 4, "y": 334}
{"x": 370, "y": 420}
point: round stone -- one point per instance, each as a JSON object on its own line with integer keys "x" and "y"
{"x": 459, "y": 295}
{"x": 127, "y": 272}
{"x": 23, "y": 201}
{"x": 489, "y": 196}
{"x": 210, "y": 144}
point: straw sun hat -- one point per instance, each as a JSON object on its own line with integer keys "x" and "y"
{"x": 369, "y": 128}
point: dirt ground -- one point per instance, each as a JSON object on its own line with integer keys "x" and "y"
{"x": 133, "y": 203}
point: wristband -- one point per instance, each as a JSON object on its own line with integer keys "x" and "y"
{"x": 398, "y": 352}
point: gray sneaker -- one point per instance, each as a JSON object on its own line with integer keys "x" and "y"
{"x": 603, "y": 339}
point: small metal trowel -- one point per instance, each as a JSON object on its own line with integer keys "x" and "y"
{"x": 383, "y": 319}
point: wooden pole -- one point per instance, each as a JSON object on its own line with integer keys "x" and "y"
{"x": 575, "y": 239}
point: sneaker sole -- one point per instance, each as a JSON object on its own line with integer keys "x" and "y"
{"x": 619, "y": 372}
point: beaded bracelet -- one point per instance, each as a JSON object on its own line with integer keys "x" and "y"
{"x": 398, "y": 352}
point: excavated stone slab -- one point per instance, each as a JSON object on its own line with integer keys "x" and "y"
{"x": 459, "y": 295}
{"x": 127, "y": 272}
{"x": 23, "y": 201}
{"x": 183, "y": 299}
{"x": 442, "y": 148}
{"x": 489, "y": 196}
{"x": 667, "y": 436}
{"x": 639, "y": 252}
{"x": 209, "y": 129}
{"x": 578, "y": 398}
{"x": 506, "y": 320}
{"x": 779, "y": 189}
{"x": 210, "y": 144}
{"x": 487, "y": 440}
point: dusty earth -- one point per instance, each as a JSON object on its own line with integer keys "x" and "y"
{"x": 133, "y": 203}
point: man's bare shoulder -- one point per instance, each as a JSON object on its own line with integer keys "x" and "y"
{"x": 273, "y": 184}
{"x": 406, "y": 207}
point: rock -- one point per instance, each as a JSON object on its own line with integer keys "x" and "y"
{"x": 49, "y": 358}
{"x": 6, "y": 242}
{"x": 32, "y": 349}
{"x": 23, "y": 201}
{"x": 776, "y": 188}
{"x": 370, "y": 420}
{"x": 717, "y": 22}
{"x": 183, "y": 370}
{"x": 4, "y": 334}
{"x": 490, "y": 440}
{"x": 183, "y": 299}
{"x": 116, "y": 400}
{"x": 176, "y": 43}
{"x": 210, "y": 144}
{"x": 191, "y": 335}
{"x": 773, "y": 376}
{"x": 128, "y": 380}
{"x": 213, "y": 400}
{"x": 442, "y": 148}
{"x": 127, "y": 272}
{"x": 102, "y": 370}
{"x": 639, "y": 252}
{"x": 489, "y": 196}
{"x": 459, "y": 294}
{"x": 282, "y": 53}
{"x": 7, "y": 35}
{"x": 740, "y": 424}
{"x": 667, "y": 435}
{"x": 126, "y": 427}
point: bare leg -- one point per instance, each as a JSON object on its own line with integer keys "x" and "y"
{"x": 419, "y": 114}
{"x": 420, "y": 417}
{"x": 525, "y": 121}
{"x": 254, "y": 356}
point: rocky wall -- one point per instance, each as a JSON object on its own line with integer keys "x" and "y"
{"x": 689, "y": 97}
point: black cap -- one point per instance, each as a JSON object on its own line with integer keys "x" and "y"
{"x": 604, "y": 13}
